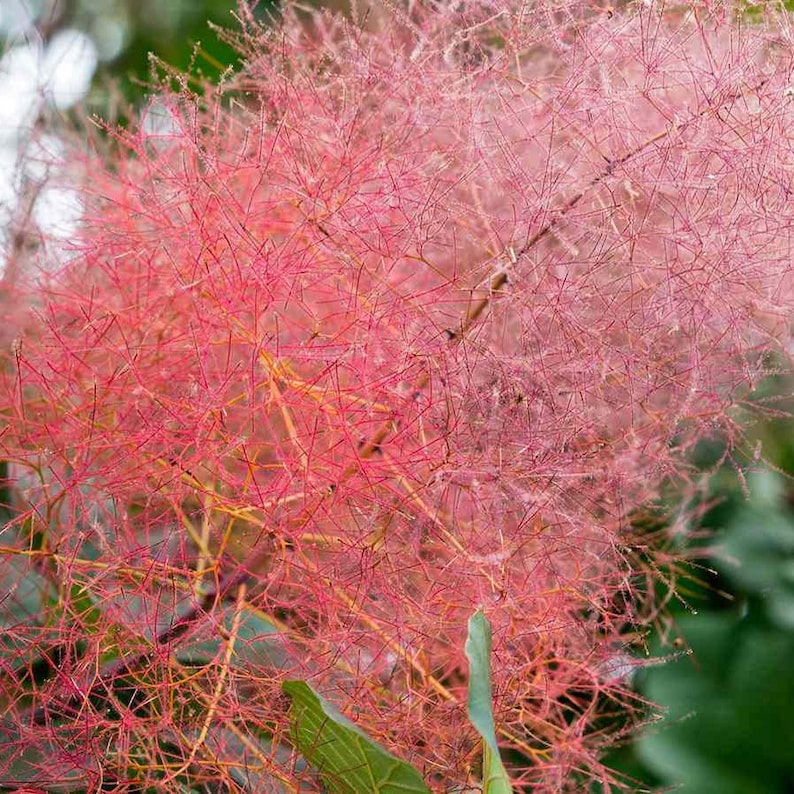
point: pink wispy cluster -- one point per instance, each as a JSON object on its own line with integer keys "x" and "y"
{"x": 404, "y": 320}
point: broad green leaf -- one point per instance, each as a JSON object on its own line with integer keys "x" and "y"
{"x": 478, "y": 652}
{"x": 348, "y": 760}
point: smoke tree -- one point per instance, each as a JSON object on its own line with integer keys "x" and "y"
{"x": 402, "y": 321}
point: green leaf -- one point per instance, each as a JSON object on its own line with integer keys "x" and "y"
{"x": 478, "y": 652}
{"x": 348, "y": 760}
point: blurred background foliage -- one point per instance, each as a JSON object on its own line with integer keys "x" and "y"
{"x": 62, "y": 61}
{"x": 176, "y": 31}
{"x": 726, "y": 687}
{"x": 126, "y": 32}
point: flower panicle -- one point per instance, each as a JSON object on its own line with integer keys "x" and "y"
{"x": 407, "y": 319}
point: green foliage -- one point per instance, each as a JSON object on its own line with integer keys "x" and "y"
{"x": 728, "y": 725}
{"x": 348, "y": 760}
{"x": 178, "y": 33}
{"x": 478, "y": 652}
